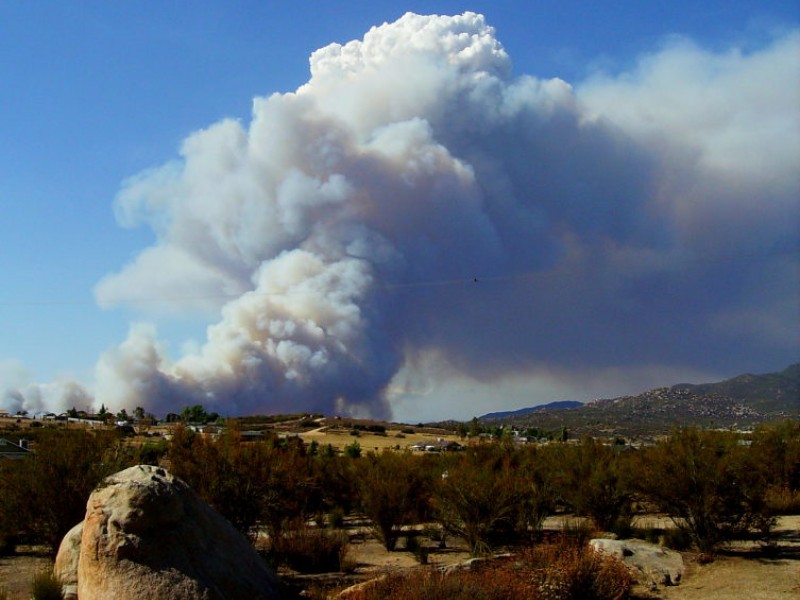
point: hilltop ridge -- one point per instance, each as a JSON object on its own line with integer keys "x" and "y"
{"x": 742, "y": 401}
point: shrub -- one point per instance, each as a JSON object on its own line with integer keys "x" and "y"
{"x": 676, "y": 538}
{"x": 577, "y": 531}
{"x": 569, "y": 571}
{"x": 562, "y": 571}
{"x": 151, "y": 453}
{"x": 651, "y": 534}
{"x": 45, "y": 586}
{"x": 435, "y": 585}
{"x": 309, "y": 550}
{"x": 783, "y": 501}
{"x": 623, "y": 527}
{"x": 436, "y": 534}
{"x": 353, "y": 450}
{"x": 335, "y": 518}
{"x": 418, "y": 549}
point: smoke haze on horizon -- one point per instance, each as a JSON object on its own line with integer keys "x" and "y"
{"x": 418, "y": 223}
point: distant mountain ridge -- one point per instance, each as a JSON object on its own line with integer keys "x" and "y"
{"x": 742, "y": 401}
{"x": 557, "y": 405}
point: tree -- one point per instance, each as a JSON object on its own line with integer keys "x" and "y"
{"x": 267, "y": 481}
{"x": 777, "y": 449}
{"x": 228, "y": 476}
{"x": 480, "y": 498}
{"x": 45, "y": 495}
{"x": 539, "y": 492}
{"x": 392, "y": 492}
{"x": 194, "y": 414}
{"x": 592, "y": 479}
{"x": 353, "y": 450}
{"x": 707, "y": 483}
{"x": 474, "y": 427}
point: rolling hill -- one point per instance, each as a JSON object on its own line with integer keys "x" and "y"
{"x": 558, "y": 405}
{"x": 740, "y": 402}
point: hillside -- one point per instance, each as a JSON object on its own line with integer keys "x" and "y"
{"x": 742, "y": 401}
{"x": 558, "y": 405}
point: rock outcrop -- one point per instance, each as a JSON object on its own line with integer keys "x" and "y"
{"x": 147, "y": 536}
{"x": 661, "y": 565}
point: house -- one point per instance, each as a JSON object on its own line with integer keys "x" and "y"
{"x": 207, "y": 431}
{"x": 439, "y": 445}
{"x": 11, "y": 451}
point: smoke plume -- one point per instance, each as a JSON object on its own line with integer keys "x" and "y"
{"x": 416, "y": 203}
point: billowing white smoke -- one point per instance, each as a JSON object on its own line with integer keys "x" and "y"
{"x": 20, "y": 394}
{"x": 416, "y": 201}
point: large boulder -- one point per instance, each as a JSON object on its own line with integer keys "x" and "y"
{"x": 147, "y": 536}
{"x": 66, "y": 566}
{"x": 661, "y": 565}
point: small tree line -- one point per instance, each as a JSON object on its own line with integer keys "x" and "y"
{"x": 715, "y": 485}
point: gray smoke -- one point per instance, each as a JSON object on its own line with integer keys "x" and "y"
{"x": 417, "y": 214}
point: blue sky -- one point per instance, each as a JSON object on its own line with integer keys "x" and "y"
{"x": 94, "y": 93}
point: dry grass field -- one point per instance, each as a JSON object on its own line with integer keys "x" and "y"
{"x": 394, "y": 438}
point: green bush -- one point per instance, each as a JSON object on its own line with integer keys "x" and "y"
{"x": 353, "y": 450}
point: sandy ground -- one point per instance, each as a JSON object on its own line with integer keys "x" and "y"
{"x": 741, "y": 572}
{"x": 744, "y": 572}
{"x": 17, "y": 572}
{"x": 738, "y": 578}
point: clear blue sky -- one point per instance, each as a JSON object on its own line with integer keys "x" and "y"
{"x": 95, "y": 92}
